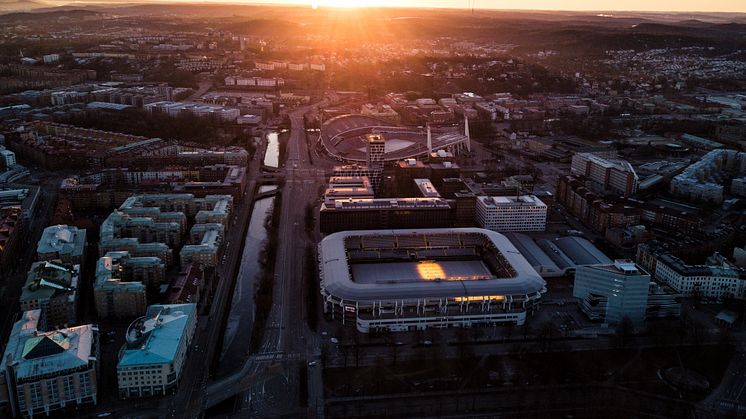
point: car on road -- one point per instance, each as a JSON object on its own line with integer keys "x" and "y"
{"x": 334, "y": 340}
{"x": 313, "y": 363}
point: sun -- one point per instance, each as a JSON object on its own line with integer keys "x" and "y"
{"x": 341, "y": 3}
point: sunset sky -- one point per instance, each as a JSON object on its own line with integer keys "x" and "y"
{"x": 636, "y": 5}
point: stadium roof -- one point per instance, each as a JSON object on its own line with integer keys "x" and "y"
{"x": 337, "y": 279}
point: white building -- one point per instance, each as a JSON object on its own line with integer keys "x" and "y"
{"x": 7, "y": 158}
{"x": 152, "y": 359}
{"x": 50, "y": 58}
{"x": 511, "y": 213}
{"x": 703, "y": 180}
{"x": 738, "y": 186}
{"x": 716, "y": 279}
{"x": 610, "y": 293}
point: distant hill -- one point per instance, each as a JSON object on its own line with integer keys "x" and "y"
{"x": 45, "y": 13}
{"x": 21, "y": 5}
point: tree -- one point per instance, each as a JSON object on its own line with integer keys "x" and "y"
{"x": 545, "y": 336}
{"x": 624, "y": 332}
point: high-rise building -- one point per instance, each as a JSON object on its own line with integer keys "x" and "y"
{"x": 606, "y": 175}
{"x": 152, "y": 359}
{"x": 46, "y": 371}
{"x": 376, "y": 148}
{"x": 609, "y": 293}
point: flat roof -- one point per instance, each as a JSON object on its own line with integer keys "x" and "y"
{"x": 337, "y": 278}
{"x": 569, "y": 252}
{"x": 533, "y": 253}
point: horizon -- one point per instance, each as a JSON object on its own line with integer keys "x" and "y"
{"x": 541, "y": 6}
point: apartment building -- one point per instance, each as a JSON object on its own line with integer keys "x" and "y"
{"x": 120, "y": 286}
{"x": 52, "y": 288}
{"x": 606, "y": 175}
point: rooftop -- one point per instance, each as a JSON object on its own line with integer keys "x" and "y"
{"x": 155, "y": 338}
{"x": 33, "y": 353}
{"x": 62, "y": 240}
{"x": 427, "y": 277}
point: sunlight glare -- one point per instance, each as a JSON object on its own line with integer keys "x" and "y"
{"x": 342, "y": 3}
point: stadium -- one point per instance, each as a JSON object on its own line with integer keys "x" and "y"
{"x": 400, "y": 280}
{"x": 343, "y": 138}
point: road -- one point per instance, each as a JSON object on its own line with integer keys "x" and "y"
{"x": 287, "y": 335}
{"x": 26, "y": 253}
{"x": 189, "y": 400}
{"x": 269, "y": 381}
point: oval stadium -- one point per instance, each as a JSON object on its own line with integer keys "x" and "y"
{"x": 343, "y": 138}
{"x": 400, "y": 280}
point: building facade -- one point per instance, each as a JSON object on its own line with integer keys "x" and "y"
{"x": 46, "y": 371}
{"x": 511, "y": 213}
{"x": 153, "y": 357}
{"x": 121, "y": 281}
{"x": 716, "y": 279}
{"x": 609, "y": 293}
{"x": 606, "y": 175}
{"x": 52, "y": 288}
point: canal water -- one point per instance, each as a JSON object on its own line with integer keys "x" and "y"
{"x": 241, "y": 318}
{"x": 272, "y": 155}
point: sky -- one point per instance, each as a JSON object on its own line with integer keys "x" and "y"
{"x": 594, "y": 5}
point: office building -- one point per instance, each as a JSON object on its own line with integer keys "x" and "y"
{"x": 341, "y": 187}
{"x": 609, "y": 293}
{"x": 42, "y": 372}
{"x": 511, "y": 213}
{"x": 384, "y": 213}
{"x": 152, "y": 360}
{"x": 376, "y": 148}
